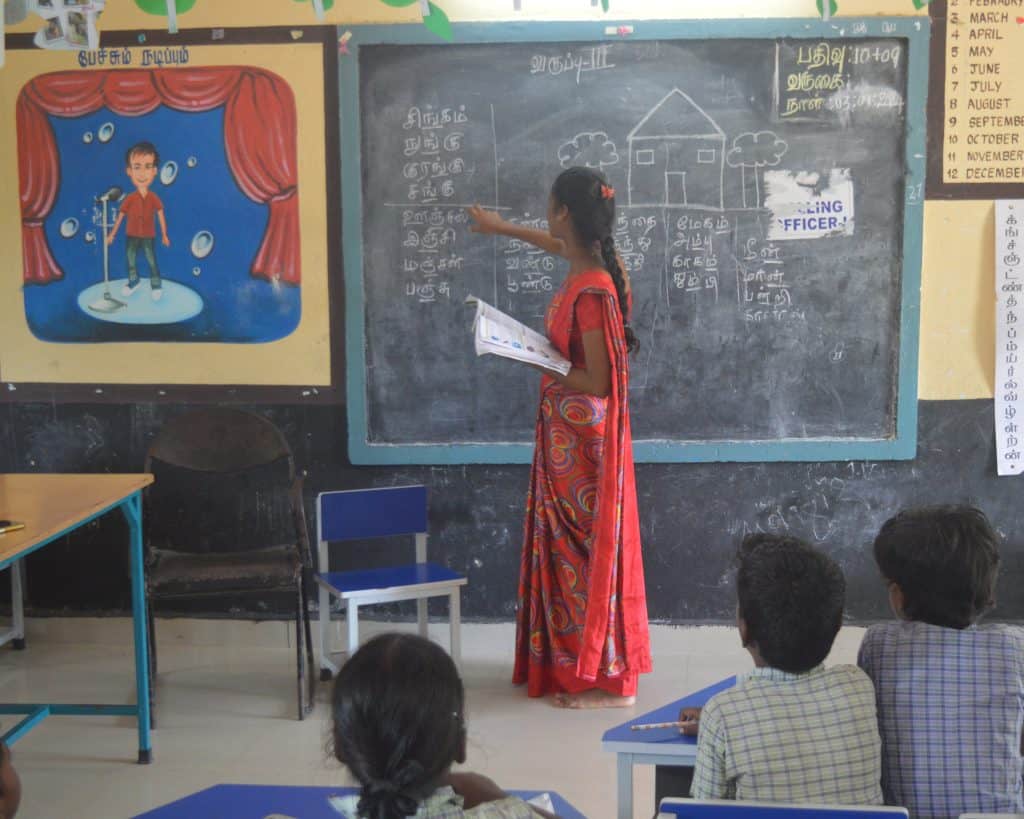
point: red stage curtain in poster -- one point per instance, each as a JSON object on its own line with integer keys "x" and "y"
{"x": 259, "y": 138}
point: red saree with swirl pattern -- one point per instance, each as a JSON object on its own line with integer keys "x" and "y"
{"x": 581, "y": 621}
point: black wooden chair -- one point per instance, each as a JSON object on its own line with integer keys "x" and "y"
{"x": 225, "y": 518}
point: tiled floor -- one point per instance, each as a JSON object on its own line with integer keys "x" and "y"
{"x": 226, "y": 713}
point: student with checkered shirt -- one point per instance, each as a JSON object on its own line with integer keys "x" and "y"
{"x": 950, "y": 692}
{"x": 791, "y": 730}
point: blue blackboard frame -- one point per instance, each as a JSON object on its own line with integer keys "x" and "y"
{"x": 902, "y": 446}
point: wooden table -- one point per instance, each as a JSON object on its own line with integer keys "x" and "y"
{"x": 51, "y": 506}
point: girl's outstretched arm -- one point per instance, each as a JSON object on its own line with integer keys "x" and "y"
{"x": 490, "y": 222}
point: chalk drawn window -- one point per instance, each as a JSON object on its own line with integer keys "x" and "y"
{"x": 645, "y": 157}
{"x": 706, "y": 156}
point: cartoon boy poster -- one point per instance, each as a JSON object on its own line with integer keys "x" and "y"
{"x": 206, "y": 244}
{"x": 142, "y": 162}
{"x": 245, "y": 294}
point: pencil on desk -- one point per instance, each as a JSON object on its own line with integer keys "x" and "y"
{"x": 647, "y": 726}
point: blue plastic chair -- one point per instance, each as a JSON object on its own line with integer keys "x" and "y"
{"x": 732, "y": 809}
{"x": 360, "y": 514}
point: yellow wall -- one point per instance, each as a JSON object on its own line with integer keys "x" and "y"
{"x": 124, "y": 14}
{"x": 957, "y": 279}
{"x": 958, "y": 301}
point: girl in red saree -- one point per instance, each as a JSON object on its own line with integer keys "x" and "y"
{"x": 581, "y": 625}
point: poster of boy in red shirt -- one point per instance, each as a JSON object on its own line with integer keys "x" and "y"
{"x": 142, "y": 163}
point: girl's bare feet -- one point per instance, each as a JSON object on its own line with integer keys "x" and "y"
{"x": 592, "y": 698}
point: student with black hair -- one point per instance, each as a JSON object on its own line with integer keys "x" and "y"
{"x": 791, "y": 730}
{"x": 399, "y": 726}
{"x": 950, "y": 692}
{"x": 581, "y": 625}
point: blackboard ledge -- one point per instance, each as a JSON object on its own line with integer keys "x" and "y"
{"x": 362, "y": 453}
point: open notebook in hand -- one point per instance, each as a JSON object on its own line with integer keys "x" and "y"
{"x": 497, "y": 333}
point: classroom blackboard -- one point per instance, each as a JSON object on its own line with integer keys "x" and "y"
{"x": 767, "y": 178}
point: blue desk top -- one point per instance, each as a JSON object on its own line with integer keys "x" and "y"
{"x": 263, "y": 801}
{"x": 661, "y": 741}
{"x": 731, "y": 809}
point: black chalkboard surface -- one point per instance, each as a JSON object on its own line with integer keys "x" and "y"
{"x": 692, "y": 516}
{"x": 761, "y": 186}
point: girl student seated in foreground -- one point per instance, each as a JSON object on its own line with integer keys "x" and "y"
{"x": 399, "y": 728}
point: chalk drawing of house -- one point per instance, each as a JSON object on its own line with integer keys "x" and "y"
{"x": 677, "y": 156}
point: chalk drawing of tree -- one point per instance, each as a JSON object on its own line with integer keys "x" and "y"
{"x": 755, "y": 150}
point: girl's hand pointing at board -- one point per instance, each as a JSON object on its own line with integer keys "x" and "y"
{"x": 485, "y": 221}
{"x": 490, "y": 222}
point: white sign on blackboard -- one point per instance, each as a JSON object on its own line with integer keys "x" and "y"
{"x": 1009, "y": 408}
{"x": 809, "y": 205}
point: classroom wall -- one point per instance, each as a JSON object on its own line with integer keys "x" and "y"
{"x": 482, "y": 506}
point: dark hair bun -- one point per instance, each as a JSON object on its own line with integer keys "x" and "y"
{"x": 397, "y": 723}
{"x": 381, "y": 799}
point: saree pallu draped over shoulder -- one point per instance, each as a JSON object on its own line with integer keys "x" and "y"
{"x": 582, "y": 612}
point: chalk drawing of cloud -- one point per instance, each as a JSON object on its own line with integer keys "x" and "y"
{"x": 590, "y": 149}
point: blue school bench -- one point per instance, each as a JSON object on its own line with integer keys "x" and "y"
{"x": 656, "y": 746}
{"x": 262, "y": 801}
{"x": 730, "y": 809}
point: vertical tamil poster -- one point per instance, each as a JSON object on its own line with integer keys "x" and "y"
{"x": 1009, "y": 310}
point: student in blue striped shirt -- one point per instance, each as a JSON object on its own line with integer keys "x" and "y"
{"x": 950, "y": 692}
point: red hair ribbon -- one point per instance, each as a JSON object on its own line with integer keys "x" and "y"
{"x": 607, "y": 192}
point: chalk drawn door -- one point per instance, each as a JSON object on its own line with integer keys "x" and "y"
{"x": 675, "y": 187}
